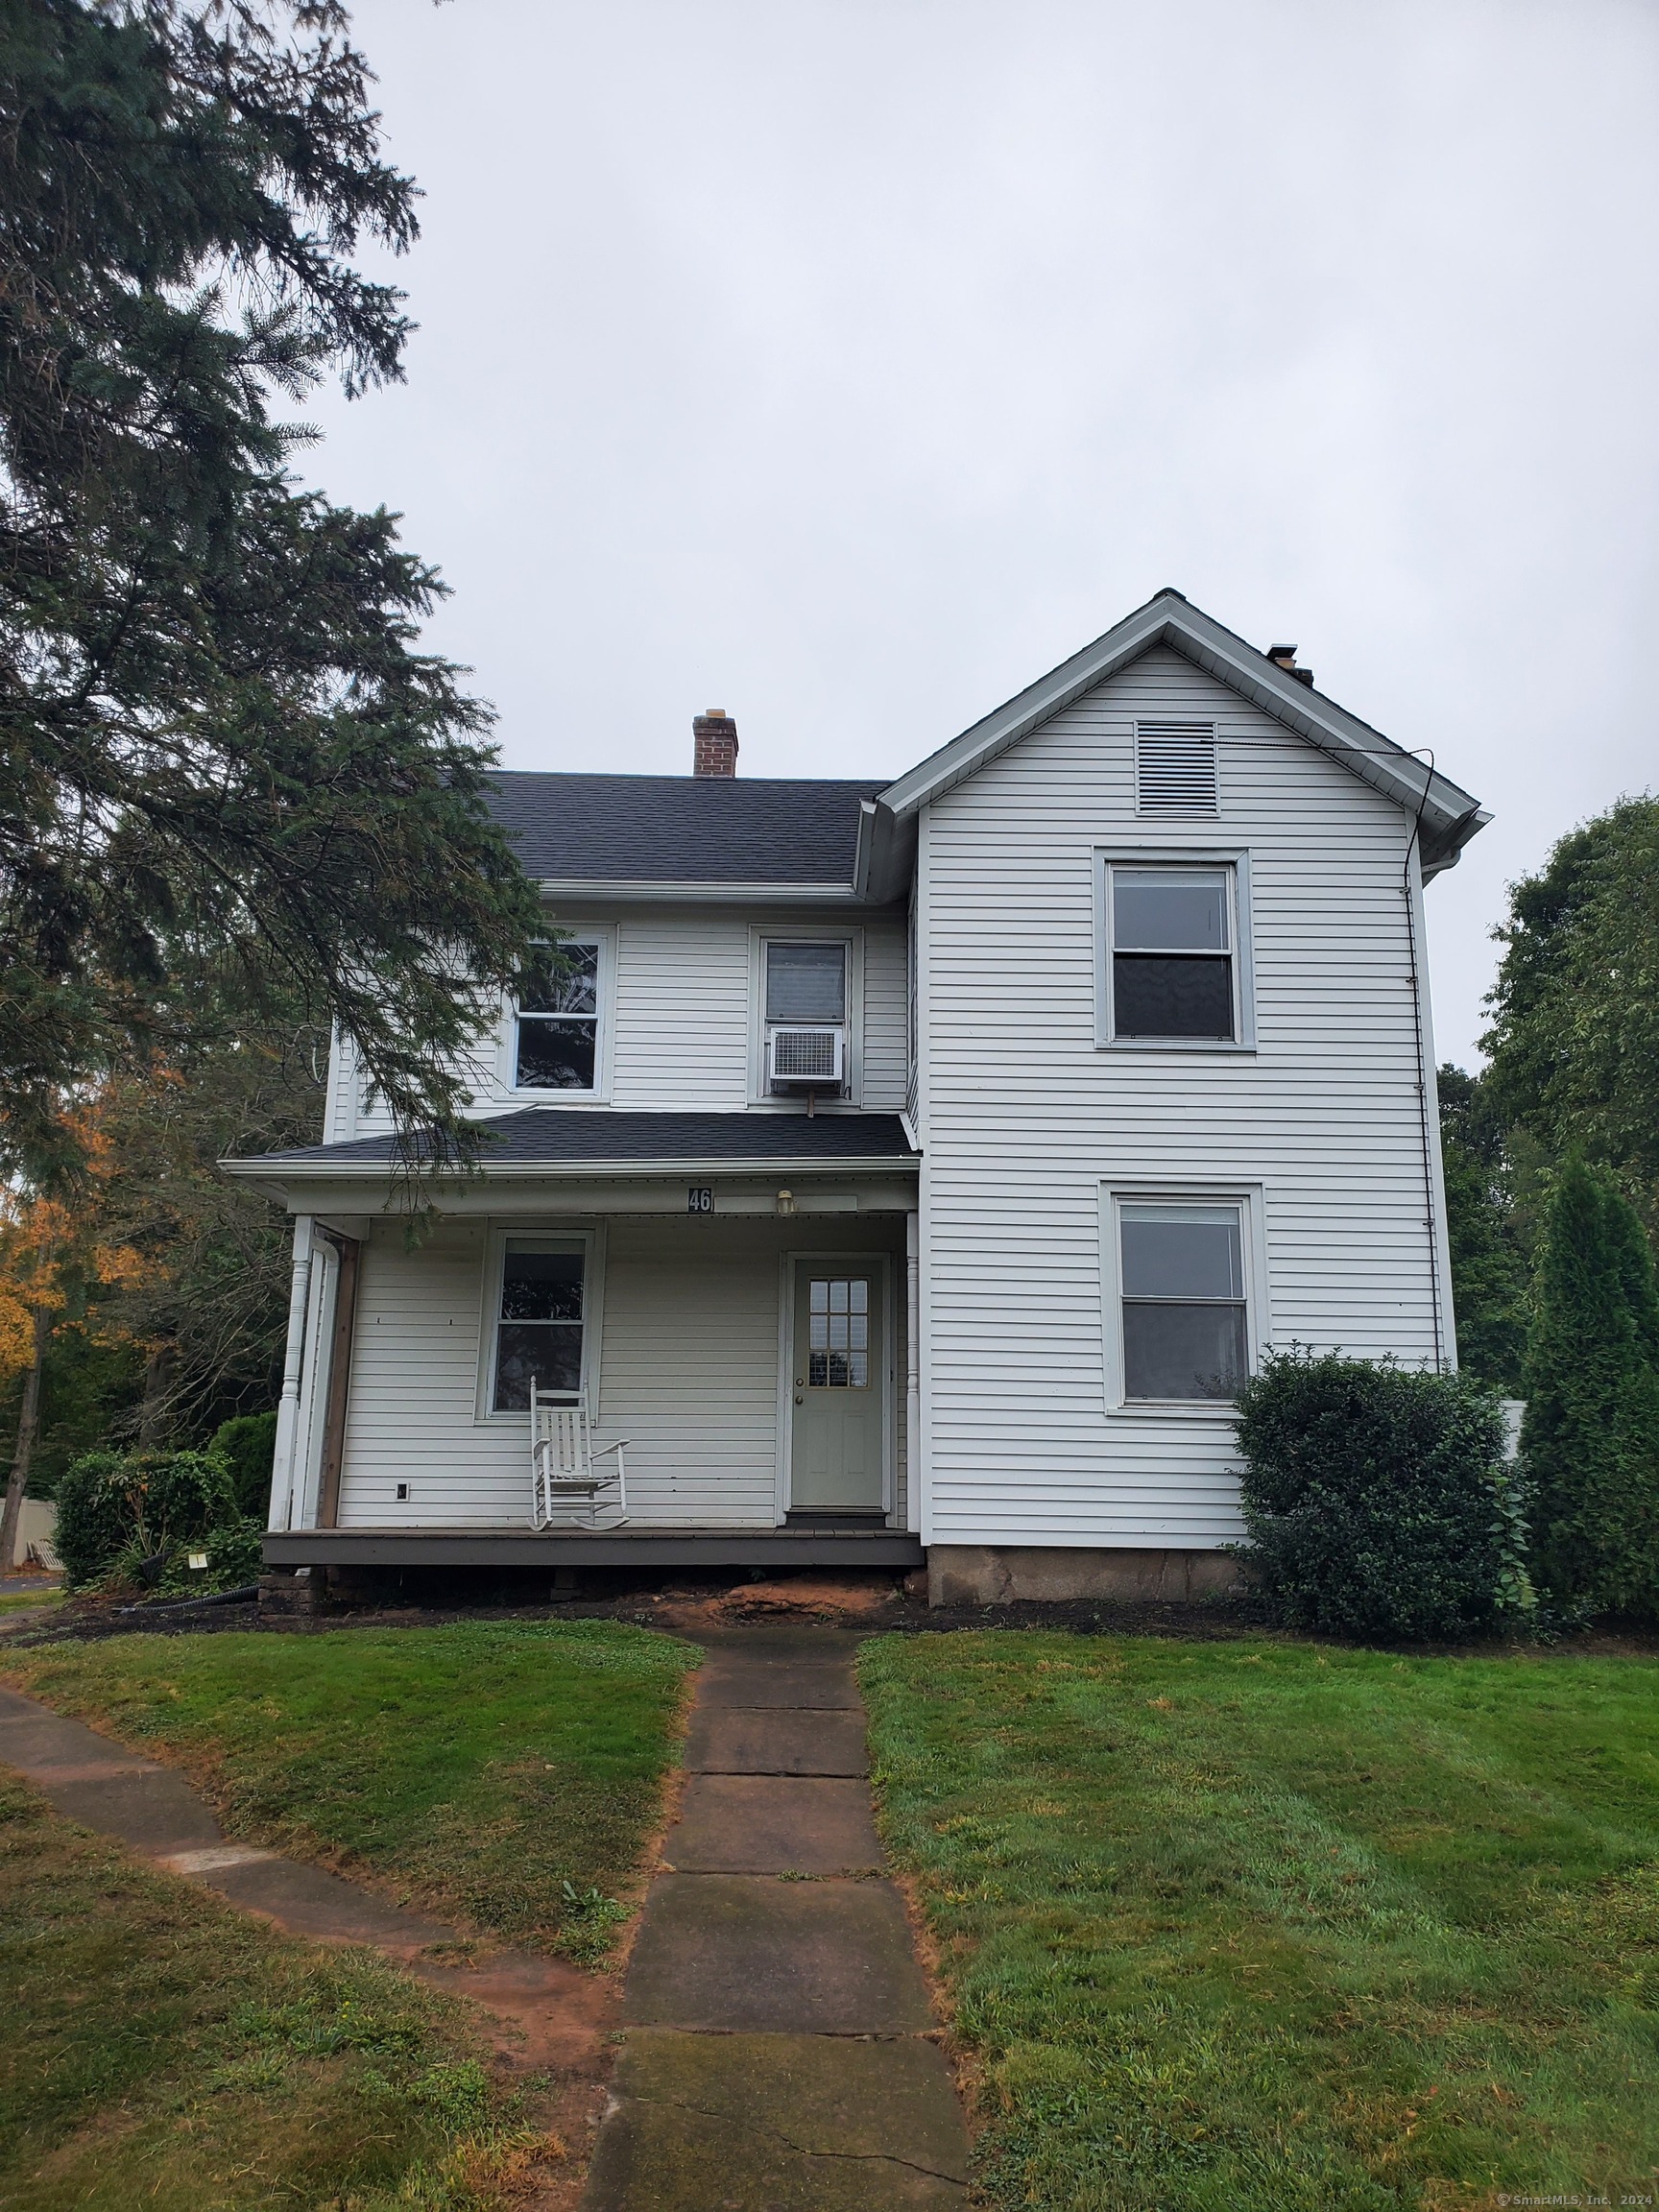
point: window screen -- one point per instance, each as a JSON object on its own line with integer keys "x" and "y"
{"x": 1171, "y": 953}
{"x": 806, "y": 983}
{"x": 1184, "y": 1309}
{"x": 539, "y": 1330}
{"x": 557, "y": 1042}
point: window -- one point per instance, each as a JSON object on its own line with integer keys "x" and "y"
{"x": 541, "y": 1317}
{"x": 806, "y": 983}
{"x": 805, "y": 1017}
{"x": 838, "y": 1334}
{"x": 1182, "y": 1277}
{"x": 1171, "y": 953}
{"x": 556, "y": 1042}
{"x": 1175, "y": 768}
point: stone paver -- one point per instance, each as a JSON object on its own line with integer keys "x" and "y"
{"x": 778, "y": 2054}
{"x": 774, "y": 1824}
{"x": 777, "y": 1740}
{"x": 790, "y": 2123}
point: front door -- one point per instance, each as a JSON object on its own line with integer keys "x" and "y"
{"x": 837, "y": 1387}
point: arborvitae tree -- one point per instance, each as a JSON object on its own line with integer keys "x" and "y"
{"x": 1591, "y": 1438}
{"x": 1489, "y": 1270}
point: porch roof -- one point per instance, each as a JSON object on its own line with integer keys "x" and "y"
{"x": 542, "y": 1140}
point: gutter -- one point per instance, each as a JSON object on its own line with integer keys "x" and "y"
{"x": 279, "y": 1167}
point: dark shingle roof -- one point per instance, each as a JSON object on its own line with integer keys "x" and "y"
{"x": 681, "y": 829}
{"x": 559, "y": 1136}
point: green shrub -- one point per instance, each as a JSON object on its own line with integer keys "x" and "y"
{"x": 1378, "y": 1500}
{"x": 247, "y": 1445}
{"x": 235, "y": 1554}
{"x": 1589, "y": 1443}
{"x": 117, "y": 1509}
{"x": 94, "y": 1517}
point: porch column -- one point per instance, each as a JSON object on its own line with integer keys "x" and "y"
{"x": 912, "y": 1370}
{"x": 293, "y": 1359}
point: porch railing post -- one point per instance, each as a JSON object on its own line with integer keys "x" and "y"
{"x": 293, "y": 1361}
{"x": 912, "y": 1370}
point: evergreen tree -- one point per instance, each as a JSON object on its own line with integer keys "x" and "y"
{"x": 1575, "y": 1041}
{"x": 1489, "y": 1270}
{"x": 216, "y": 736}
{"x": 1591, "y": 1438}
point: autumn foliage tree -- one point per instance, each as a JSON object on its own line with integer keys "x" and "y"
{"x": 56, "y": 1258}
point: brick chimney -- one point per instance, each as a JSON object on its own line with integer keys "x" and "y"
{"x": 715, "y": 742}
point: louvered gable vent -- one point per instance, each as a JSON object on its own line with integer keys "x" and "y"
{"x": 1175, "y": 768}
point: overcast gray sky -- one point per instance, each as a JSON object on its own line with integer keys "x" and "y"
{"x": 848, "y": 363}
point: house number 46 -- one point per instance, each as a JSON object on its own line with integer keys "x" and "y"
{"x": 699, "y": 1199}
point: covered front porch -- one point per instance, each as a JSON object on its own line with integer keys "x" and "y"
{"x": 744, "y": 1326}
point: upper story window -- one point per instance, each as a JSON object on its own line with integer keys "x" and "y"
{"x": 1174, "y": 956}
{"x": 556, "y": 1040}
{"x": 806, "y": 983}
{"x": 805, "y": 1011}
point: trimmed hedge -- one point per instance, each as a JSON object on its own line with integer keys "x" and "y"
{"x": 1377, "y": 1499}
{"x": 248, "y": 1447}
{"x": 1589, "y": 1443}
{"x": 117, "y": 1509}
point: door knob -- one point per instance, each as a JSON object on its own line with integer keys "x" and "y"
{"x": 800, "y": 1398}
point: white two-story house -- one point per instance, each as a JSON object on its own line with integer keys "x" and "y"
{"x": 907, "y": 1172}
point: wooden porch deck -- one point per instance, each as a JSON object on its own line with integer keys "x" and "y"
{"x": 638, "y": 1544}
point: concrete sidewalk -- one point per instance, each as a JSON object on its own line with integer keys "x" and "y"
{"x": 777, "y": 2053}
{"x": 551, "y": 2015}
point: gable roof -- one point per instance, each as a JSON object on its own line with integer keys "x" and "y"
{"x": 681, "y": 830}
{"x": 1448, "y": 816}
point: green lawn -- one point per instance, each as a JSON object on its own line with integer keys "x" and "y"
{"x": 31, "y": 1601}
{"x": 507, "y": 1771}
{"x": 161, "y": 2050}
{"x": 1260, "y": 1927}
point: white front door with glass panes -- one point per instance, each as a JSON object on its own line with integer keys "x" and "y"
{"x": 1185, "y": 1316}
{"x": 837, "y": 1394}
{"x": 539, "y": 1323}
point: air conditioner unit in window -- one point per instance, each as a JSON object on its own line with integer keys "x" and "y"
{"x": 798, "y": 1058}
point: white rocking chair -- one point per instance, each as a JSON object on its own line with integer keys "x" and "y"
{"x": 563, "y": 1476}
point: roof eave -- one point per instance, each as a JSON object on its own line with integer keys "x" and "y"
{"x": 1450, "y": 815}
{"x": 281, "y": 1170}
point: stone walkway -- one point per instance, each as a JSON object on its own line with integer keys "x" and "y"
{"x": 777, "y": 2054}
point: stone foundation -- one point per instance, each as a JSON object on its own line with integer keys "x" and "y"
{"x": 1056, "y": 1574}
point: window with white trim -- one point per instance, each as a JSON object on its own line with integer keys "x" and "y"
{"x": 805, "y": 982}
{"x": 540, "y": 1321}
{"x": 1171, "y": 950}
{"x": 1183, "y": 1303}
{"x": 556, "y": 1030}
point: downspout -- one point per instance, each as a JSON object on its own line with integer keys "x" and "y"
{"x": 293, "y": 1359}
{"x": 913, "y": 1370}
{"x": 1431, "y": 1218}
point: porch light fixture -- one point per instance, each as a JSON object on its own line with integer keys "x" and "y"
{"x": 785, "y": 1201}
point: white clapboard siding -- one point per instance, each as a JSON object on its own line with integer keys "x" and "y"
{"x": 1026, "y": 1119}
{"x": 688, "y": 1373}
{"x": 681, "y": 1026}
